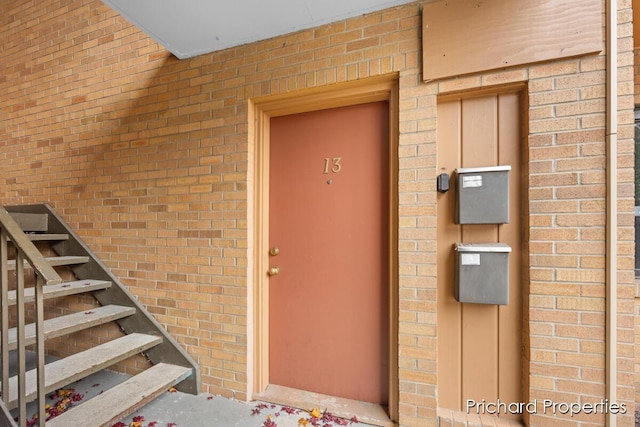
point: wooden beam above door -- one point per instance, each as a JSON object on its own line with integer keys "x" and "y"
{"x": 466, "y": 37}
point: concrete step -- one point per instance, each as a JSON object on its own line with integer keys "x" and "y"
{"x": 61, "y": 290}
{"x": 46, "y": 237}
{"x": 38, "y": 222}
{"x": 55, "y": 261}
{"x": 116, "y": 403}
{"x": 73, "y": 368}
{"x": 72, "y": 323}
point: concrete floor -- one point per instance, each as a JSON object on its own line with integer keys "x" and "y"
{"x": 206, "y": 410}
{"x": 184, "y": 410}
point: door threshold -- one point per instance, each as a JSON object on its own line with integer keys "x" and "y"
{"x": 369, "y": 413}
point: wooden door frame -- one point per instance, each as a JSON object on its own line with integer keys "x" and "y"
{"x": 383, "y": 88}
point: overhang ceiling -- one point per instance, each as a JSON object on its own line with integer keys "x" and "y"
{"x": 192, "y": 27}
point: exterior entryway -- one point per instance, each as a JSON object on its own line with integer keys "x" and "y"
{"x": 329, "y": 251}
{"x": 480, "y": 354}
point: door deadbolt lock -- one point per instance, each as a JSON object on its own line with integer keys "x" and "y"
{"x": 274, "y": 251}
{"x": 273, "y": 271}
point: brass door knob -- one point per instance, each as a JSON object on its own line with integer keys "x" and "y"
{"x": 273, "y": 271}
{"x": 274, "y": 251}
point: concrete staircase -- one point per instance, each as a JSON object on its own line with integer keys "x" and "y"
{"x": 172, "y": 366}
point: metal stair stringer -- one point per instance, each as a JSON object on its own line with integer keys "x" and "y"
{"x": 169, "y": 351}
{"x": 6, "y": 420}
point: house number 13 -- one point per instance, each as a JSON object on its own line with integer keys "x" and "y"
{"x": 332, "y": 164}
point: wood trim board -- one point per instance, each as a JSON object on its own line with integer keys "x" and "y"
{"x": 470, "y": 36}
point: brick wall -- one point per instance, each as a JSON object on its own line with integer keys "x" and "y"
{"x": 147, "y": 158}
{"x": 636, "y": 74}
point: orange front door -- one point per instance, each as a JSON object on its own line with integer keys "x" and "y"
{"x": 329, "y": 220}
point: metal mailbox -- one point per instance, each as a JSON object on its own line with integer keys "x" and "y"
{"x": 483, "y": 195}
{"x": 482, "y": 273}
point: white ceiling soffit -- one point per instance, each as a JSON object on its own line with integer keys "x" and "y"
{"x": 192, "y": 27}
